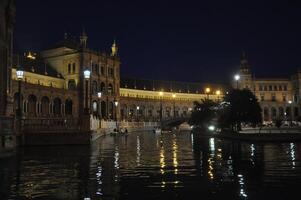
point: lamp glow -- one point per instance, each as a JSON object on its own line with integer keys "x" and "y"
{"x": 237, "y": 77}
{"x": 20, "y": 74}
{"x": 87, "y": 74}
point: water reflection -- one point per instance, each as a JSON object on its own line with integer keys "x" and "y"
{"x": 149, "y": 166}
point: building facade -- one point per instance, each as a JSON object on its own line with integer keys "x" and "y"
{"x": 278, "y": 97}
{"x": 54, "y": 86}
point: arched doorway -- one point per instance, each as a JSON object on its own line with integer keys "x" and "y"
{"x": 32, "y": 105}
{"x": 57, "y": 104}
{"x": 68, "y": 107}
{"x": 103, "y": 109}
{"x": 45, "y": 106}
{"x": 265, "y": 114}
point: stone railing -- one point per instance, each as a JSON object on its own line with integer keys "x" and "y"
{"x": 53, "y": 124}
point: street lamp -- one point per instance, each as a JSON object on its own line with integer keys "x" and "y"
{"x": 218, "y": 92}
{"x": 87, "y": 74}
{"x": 236, "y": 78}
{"x": 290, "y": 113}
{"x": 174, "y": 105}
{"x": 99, "y": 104}
{"x": 20, "y": 76}
{"x": 137, "y": 108}
{"x": 207, "y": 91}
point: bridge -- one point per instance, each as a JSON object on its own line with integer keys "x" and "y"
{"x": 174, "y": 122}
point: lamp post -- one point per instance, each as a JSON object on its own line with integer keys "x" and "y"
{"x": 87, "y": 74}
{"x": 236, "y": 78}
{"x": 161, "y": 108}
{"x": 290, "y": 113}
{"x": 116, "y": 104}
{"x": 218, "y": 92}
{"x": 207, "y": 91}
{"x": 174, "y": 105}
{"x": 137, "y": 113}
{"x": 20, "y": 76}
{"x": 99, "y": 94}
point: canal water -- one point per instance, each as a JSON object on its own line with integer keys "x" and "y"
{"x": 149, "y": 166}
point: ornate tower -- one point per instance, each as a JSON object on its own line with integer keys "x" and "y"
{"x": 245, "y": 80}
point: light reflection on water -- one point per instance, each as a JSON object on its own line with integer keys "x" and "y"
{"x": 149, "y": 166}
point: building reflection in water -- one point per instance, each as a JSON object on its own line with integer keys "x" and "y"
{"x": 211, "y": 159}
{"x": 241, "y": 182}
{"x": 223, "y": 169}
{"x": 138, "y": 151}
{"x": 174, "y": 154}
{"x": 293, "y": 154}
{"x": 252, "y": 153}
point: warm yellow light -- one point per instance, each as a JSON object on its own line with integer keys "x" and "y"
{"x": 173, "y": 95}
{"x": 218, "y": 92}
{"x": 31, "y": 56}
{"x": 207, "y": 90}
{"x": 161, "y": 93}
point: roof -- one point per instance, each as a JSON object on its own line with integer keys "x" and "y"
{"x": 168, "y": 86}
{"x": 37, "y": 65}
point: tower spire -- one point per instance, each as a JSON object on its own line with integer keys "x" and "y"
{"x": 83, "y": 38}
{"x": 244, "y": 64}
{"x": 114, "y": 49}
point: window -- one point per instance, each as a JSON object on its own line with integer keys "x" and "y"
{"x": 284, "y": 98}
{"x": 280, "y": 87}
{"x": 71, "y": 84}
{"x": 102, "y": 70}
{"x": 273, "y": 97}
{"x": 69, "y": 68}
{"x": 260, "y": 88}
{"x": 265, "y": 88}
{"x": 275, "y": 87}
{"x": 270, "y": 88}
{"x": 285, "y": 87}
{"x": 73, "y": 68}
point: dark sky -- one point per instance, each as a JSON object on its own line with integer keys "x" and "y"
{"x": 174, "y": 40}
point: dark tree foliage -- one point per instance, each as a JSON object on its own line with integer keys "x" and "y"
{"x": 203, "y": 113}
{"x": 241, "y": 106}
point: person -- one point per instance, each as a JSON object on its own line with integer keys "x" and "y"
{"x": 126, "y": 131}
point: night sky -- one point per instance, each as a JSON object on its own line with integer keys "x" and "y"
{"x": 172, "y": 40}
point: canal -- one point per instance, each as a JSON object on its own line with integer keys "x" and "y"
{"x": 149, "y": 166}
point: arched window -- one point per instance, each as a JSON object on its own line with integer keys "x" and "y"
{"x": 32, "y": 105}
{"x": 94, "y": 107}
{"x": 71, "y": 84}
{"x": 57, "y": 103}
{"x": 281, "y": 112}
{"x": 45, "y": 106}
{"x": 110, "y": 89}
{"x": 68, "y": 107}
{"x": 102, "y": 87}
{"x": 266, "y": 114}
{"x": 94, "y": 87}
{"x": 296, "y": 111}
{"x": 103, "y": 109}
{"x": 274, "y": 112}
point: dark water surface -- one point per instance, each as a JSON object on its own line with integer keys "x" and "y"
{"x": 149, "y": 166}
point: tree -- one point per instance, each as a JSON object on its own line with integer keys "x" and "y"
{"x": 241, "y": 106}
{"x": 202, "y": 113}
